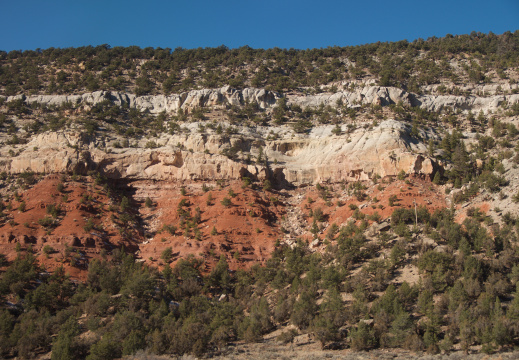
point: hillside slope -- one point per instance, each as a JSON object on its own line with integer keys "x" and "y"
{"x": 345, "y": 198}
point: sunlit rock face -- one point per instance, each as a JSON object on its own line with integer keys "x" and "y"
{"x": 318, "y": 156}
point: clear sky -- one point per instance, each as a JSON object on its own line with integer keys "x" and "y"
{"x": 301, "y": 24}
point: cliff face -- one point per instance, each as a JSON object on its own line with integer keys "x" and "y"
{"x": 319, "y": 156}
{"x": 366, "y": 94}
{"x": 158, "y": 103}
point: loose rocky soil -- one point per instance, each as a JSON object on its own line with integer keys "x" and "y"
{"x": 245, "y": 232}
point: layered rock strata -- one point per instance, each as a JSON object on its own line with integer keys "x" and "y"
{"x": 361, "y": 95}
{"x": 319, "y": 156}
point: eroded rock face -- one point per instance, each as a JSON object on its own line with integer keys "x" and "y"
{"x": 362, "y": 95}
{"x": 371, "y": 95}
{"x": 378, "y": 95}
{"x": 384, "y": 150}
{"x": 293, "y": 159}
{"x": 155, "y": 104}
{"x": 472, "y": 103}
{"x": 318, "y": 156}
{"x": 48, "y": 153}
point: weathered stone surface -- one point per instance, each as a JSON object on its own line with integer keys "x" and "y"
{"x": 385, "y": 150}
{"x": 315, "y": 157}
{"x": 361, "y": 95}
{"x": 375, "y": 228}
{"x": 376, "y": 95}
{"x": 158, "y": 103}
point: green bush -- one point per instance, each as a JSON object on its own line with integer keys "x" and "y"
{"x": 47, "y": 249}
{"x": 167, "y": 254}
{"x": 53, "y": 210}
{"x": 171, "y": 229}
{"x": 89, "y": 226}
{"x": 318, "y": 215}
{"x": 362, "y": 337}
{"x": 304, "y": 309}
{"x": 393, "y": 200}
{"x": 46, "y": 221}
{"x": 125, "y": 204}
{"x": 226, "y": 202}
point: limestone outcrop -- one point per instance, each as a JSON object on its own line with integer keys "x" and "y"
{"x": 361, "y": 95}
{"x": 370, "y": 95}
{"x": 384, "y": 150}
{"x": 318, "y": 156}
{"x": 378, "y": 95}
{"x": 155, "y": 104}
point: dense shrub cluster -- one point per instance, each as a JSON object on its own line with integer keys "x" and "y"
{"x": 151, "y": 70}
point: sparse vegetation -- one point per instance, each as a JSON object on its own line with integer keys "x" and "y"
{"x": 226, "y": 202}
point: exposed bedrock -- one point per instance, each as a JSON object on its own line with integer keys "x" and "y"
{"x": 318, "y": 156}
{"x": 362, "y": 95}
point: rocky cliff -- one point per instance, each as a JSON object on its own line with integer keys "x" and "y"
{"x": 294, "y": 158}
{"x": 363, "y": 94}
{"x": 158, "y": 103}
{"x": 319, "y": 156}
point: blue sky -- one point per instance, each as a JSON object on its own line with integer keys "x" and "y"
{"x": 299, "y": 24}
